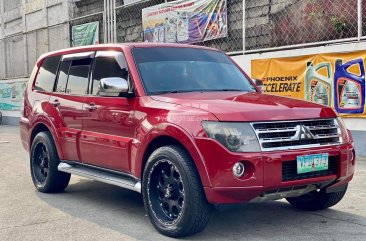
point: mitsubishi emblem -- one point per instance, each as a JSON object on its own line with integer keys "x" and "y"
{"x": 305, "y": 133}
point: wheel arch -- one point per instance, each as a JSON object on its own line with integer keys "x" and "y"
{"x": 182, "y": 140}
{"x": 42, "y": 127}
{"x": 159, "y": 141}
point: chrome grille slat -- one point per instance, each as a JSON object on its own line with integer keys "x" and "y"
{"x": 322, "y": 127}
{"x": 326, "y": 136}
{"x": 266, "y": 140}
{"x": 282, "y": 135}
{"x": 276, "y": 130}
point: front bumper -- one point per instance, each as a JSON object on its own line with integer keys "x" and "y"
{"x": 265, "y": 171}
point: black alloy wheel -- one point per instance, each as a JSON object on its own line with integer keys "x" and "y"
{"x": 166, "y": 192}
{"x": 41, "y": 163}
{"x": 44, "y": 161}
{"x": 173, "y": 194}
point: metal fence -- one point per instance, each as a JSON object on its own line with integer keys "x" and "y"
{"x": 129, "y": 21}
{"x": 295, "y": 23}
{"x": 269, "y": 24}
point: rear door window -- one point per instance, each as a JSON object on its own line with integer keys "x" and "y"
{"x": 47, "y": 74}
{"x": 77, "y": 83}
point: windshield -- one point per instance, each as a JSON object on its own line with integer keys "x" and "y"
{"x": 174, "y": 70}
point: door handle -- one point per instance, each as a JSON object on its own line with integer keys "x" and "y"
{"x": 55, "y": 103}
{"x": 91, "y": 107}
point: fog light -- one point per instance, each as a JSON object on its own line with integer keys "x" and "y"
{"x": 238, "y": 169}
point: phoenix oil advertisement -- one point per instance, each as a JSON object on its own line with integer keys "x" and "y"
{"x": 335, "y": 79}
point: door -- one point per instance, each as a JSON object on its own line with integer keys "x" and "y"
{"x": 67, "y": 101}
{"x": 108, "y": 125}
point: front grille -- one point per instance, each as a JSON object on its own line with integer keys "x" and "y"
{"x": 289, "y": 170}
{"x": 282, "y": 135}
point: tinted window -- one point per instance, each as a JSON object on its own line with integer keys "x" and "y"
{"x": 165, "y": 70}
{"x": 62, "y": 76}
{"x": 106, "y": 67}
{"x": 47, "y": 74}
{"x": 77, "y": 83}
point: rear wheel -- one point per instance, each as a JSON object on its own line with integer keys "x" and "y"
{"x": 43, "y": 162}
{"x": 317, "y": 200}
{"x": 173, "y": 194}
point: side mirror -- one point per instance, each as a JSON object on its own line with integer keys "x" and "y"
{"x": 113, "y": 86}
{"x": 259, "y": 84}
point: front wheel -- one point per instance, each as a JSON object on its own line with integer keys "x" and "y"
{"x": 317, "y": 200}
{"x": 173, "y": 194}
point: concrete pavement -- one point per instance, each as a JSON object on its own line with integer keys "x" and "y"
{"x": 89, "y": 210}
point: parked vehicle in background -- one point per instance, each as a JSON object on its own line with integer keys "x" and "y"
{"x": 183, "y": 125}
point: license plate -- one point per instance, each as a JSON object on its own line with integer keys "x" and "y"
{"x": 312, "y": 163}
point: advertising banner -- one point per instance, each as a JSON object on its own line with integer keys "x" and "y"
{"x": 85, "y": 34}
{"x": 11, "y": 95}
{"x": 185, "y": 21}
{"x": 336, "y": 79}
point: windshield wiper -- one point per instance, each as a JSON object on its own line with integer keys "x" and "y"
{"x": 231, "y": 90}
{"x": 224, "y": 90}
{"x": 203, "y": 90}
{"x": 174, "y": 91}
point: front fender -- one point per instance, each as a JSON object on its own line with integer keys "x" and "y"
{"x": 140, "y": 146}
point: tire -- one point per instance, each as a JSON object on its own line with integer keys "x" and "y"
{"x": 317, "y": 200}
{"x": 173, "y": 194}
{"x": 43, "y": 164}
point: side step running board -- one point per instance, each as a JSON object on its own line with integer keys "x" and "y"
{"x": 101, "y": 175}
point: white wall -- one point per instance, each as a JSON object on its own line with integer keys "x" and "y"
{"x": 357, "y": 124}
{"x": 29, "y": 28}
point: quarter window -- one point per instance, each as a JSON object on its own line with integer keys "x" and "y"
{"x": 47, "y": 74}
{"x": 62, "y": 76}
{"x": 77, "y": 83}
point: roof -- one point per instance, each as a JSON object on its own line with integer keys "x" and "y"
{"x": 118, "y": 46}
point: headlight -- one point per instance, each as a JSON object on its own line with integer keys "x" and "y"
{"x": 237, "y": 137}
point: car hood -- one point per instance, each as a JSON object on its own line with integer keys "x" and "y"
{"x": 239, "y": 106}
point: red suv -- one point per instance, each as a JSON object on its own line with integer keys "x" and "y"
{"x": 183, "y": 125}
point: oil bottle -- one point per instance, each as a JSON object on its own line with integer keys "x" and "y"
{"x": 183, "y": 27}
{"x": 349, "y": 88}
{"x": 318, "y": 87}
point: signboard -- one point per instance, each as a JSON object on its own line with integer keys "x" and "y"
{"x": 11, "y": 94}
{"x": 336, "y": 79}
{"x": 85, "y": 34}
{"x": 185, "y": 21}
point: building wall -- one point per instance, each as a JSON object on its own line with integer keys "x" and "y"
{"x": 29, "y": 28}
{"x": 87, "y": 11}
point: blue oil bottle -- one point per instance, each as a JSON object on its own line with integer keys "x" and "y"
{"x": 349, "y": 88}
